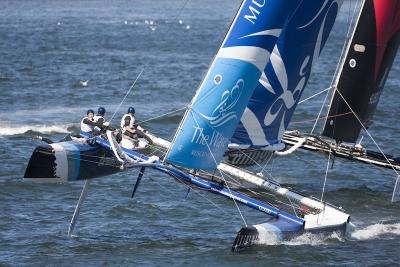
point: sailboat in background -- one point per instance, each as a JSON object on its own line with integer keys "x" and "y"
{"x": 365, "y": 66}
{"x": 247, "y": 96}
{"x": 356, "y": 89}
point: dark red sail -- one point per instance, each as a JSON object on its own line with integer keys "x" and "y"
{"x": 368, "y": 61}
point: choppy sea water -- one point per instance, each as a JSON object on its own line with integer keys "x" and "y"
{"x": 47, "y": 47}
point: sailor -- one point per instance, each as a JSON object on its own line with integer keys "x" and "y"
{"x": 100, "y": 115}
{"x": 128, "y": 123}
{"x": 99, "y": 119}
{"x": 88, "y": 123}
{"x": 130, "y": 129}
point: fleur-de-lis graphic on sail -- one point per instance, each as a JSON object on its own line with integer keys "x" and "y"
{"x": 225, "y": 111}
{"x": 283, "y": 106}
{"x": 286, "y": 101}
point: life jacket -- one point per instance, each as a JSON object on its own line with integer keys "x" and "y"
{"x": 98, "y": 118}
{"x": 127, "y": 120}
{"x": 86, "y": 127}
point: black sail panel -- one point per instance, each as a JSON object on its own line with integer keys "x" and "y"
{"x": 386, "y": 65}
{"x": 368, "y": 60}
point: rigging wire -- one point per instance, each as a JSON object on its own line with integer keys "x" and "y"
{"x": 265, "y": 194}
{"x": 127, "y": 93}
{"x": 266, "y": 164}
{"x": 166, "y": 34}
{"x": 314, "y": 95}
{"x": 258, "y": 164}
{"x": 94, "y": 162}
{"x": 216, "y": 163}
{"x": 321, "y": 118}
{"x": 250, "y": 158}
{"x": 352, "y": 111}
{"x": 163, "y": 115}
{"x": 326, "y": 174}
{"x": 238, "y": 183}
{"x": 369, "y": 134}
{"x": 345, "y": 45}
{"x": 196, "y": 192}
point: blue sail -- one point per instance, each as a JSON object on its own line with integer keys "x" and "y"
{"x": 217, "y": 107}
{"x": 281, "y": 85}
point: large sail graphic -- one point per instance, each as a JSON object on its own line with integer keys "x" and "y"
{"x": 368, "y": 61}
{"x": 217, "y": 107}
{"x": 281, "y": 85}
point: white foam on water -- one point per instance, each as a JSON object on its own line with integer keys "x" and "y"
{"x": 376, "y": 230}
{"x": 7, "y": 130}
{"x": 270, "y": 238}
{"x": 48, "y": 111}
{"x": 266, "y": 237}
{"x": 312, "y": 239}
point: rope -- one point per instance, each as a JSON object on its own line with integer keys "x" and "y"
{"x": 166, "y": 34}
{"x": 266, "y": 194}
{"x": 163, "y": 115}
{"x": 345, "y": 45}
{"x": 127, "y": 93}
{"x": 326, "y": 175}
{"x": 189, "y": 187}
{"x": 292, "y": 149}
{"x": 266, "y": 163}
{"x": 321, "y": 118}
{"x": 314, "y": 95}
{"x": 216, "y": 163}
{"x": 94, "y": 162}
{"x": 370, "y": 136}
{"x": 395, "y": 189}
{"x": 319, "y": 114}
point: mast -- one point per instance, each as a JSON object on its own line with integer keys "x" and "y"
{"x": 363, "y": 72}
{"x": 346, "y": 49}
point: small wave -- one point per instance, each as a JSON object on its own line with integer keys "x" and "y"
{"x": 4, "y": 78}
{"x": 9, "y": 130}
{"x": 376, "y": 230}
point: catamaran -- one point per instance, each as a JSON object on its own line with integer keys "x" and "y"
{"x": 356, "y": 89}
{"x": 244, "y": 103}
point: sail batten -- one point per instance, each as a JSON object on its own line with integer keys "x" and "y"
{"x": 209, "y": 123}
{"x": 283, "y": 80}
